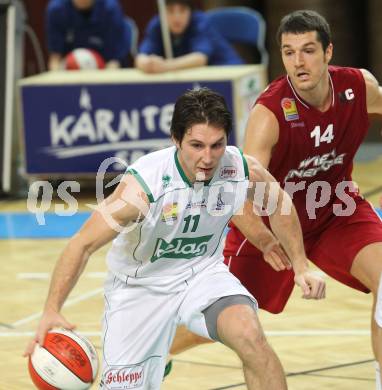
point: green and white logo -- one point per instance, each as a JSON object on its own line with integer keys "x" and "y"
{"x": 166, "y": 179}
{"x": 180, "y": 248}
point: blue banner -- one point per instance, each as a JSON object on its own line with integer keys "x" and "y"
{"x": 73, "y": 128}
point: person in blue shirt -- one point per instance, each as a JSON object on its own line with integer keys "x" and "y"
{"x": 93, "y": 24}
{"x": 194, "y": 43}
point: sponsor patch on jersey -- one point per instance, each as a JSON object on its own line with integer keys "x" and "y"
{"x": 297, "y": 124}
{"x": 313, "y": 165}
{"x": 197, "y": 204}
{"x": 180, "y": 248}
{"x": 122, "y": 378}
{"x": 290, "y": 110}
{"x": 228, "y": 172}
{"x": 170, "y": 212}
{"x": 219, "y": 208}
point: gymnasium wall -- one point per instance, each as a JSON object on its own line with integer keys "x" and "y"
{"x": 356, "y": 27}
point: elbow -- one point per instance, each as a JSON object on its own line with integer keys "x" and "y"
{"x": 83, "y": 249}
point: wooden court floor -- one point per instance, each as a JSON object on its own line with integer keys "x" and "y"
{"x": 322, "y": 345}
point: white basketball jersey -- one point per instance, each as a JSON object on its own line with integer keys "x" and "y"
{"x": 183, "y": 231}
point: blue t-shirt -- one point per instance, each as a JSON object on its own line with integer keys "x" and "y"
{"x": 198, "y": 37}
{"x": 103, "y": 28}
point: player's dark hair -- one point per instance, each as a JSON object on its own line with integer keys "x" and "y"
{"x": 187, "y": 3}
{"x": 302, "y": 21}
{"x": 199, "y": 106}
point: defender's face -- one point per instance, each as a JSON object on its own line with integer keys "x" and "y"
{"x": 178, "y": 18}
{"x": 200, "y": 152}
{"x": 304, "y": 59}
{"x": 83, "y": 4}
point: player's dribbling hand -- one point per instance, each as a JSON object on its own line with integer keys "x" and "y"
{"x": 49, "y": 320}
{"x": 311, "y": 284}
{"x": 276, "y": 257}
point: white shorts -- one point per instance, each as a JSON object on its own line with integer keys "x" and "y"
{"x": 139, "y": 324}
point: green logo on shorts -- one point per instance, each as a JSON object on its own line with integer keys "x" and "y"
{"x": 180, "y": 248}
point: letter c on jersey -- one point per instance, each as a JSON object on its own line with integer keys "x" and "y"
{"x": 349, "y": 94}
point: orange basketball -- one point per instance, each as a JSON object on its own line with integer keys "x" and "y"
{"x": 66, "y": 361}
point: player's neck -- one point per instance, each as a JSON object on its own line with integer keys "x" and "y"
{"x": 321, "y": 96}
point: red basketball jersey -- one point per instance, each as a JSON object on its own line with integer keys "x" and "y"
{"x": 315, "y": 149}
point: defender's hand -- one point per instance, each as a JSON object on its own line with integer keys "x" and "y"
{"x": 312, "y": 285}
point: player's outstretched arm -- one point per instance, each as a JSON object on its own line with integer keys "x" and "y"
{"x": 285, "y": 224}
{"x": 373, "y": 98}
{"x": 127, "y": 203}
{"x": 261, "y": 136}
{"x": 373, "y": 93}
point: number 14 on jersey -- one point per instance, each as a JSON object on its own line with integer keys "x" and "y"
{"x": 327, "y": 136}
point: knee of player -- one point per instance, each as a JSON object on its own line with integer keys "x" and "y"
{"x": 254, "y": 350}
{"x": 251, "y": 343}
{"x": 245, "y": 335}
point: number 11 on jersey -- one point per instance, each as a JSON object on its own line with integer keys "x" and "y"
{"x": 327, "y": 136}
{"x": 195, "y": 220}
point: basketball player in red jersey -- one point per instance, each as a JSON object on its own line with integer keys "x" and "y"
{"x": 306, "y": 128}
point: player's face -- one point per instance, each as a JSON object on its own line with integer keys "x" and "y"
{"x": 83, "y": 4}
{"x": 201, "y": 149}
{"x": 304, "y": 59}
{"x": 178, "y": 18}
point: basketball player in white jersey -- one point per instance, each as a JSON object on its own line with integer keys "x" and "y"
{"x": 167, "y": 218}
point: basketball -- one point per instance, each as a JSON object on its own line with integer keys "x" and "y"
{"x": 81, "y": 58}
{"x": 66, "y": 361}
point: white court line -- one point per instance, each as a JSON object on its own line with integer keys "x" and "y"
{"x": 292, "y": 333}
{"x": 46, "y": 275}
{"x": 33, "y": 275}
{"x": 31, "y": 334}
{"x": 339, "y": 332}
{"x": 70, "y": 302}
{"x": 96, "y": 275}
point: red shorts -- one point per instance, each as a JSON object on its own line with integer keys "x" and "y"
{"x": 333, "y": 251}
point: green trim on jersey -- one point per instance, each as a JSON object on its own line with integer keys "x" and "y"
{"x": 180, "y": 170}
{"x": 246, "y": 170}
{"x": 220, "y": 239}
{"x": 207, "y": 182}
{"x": 138, "y": 243}
{"x": 142, "y": 183}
